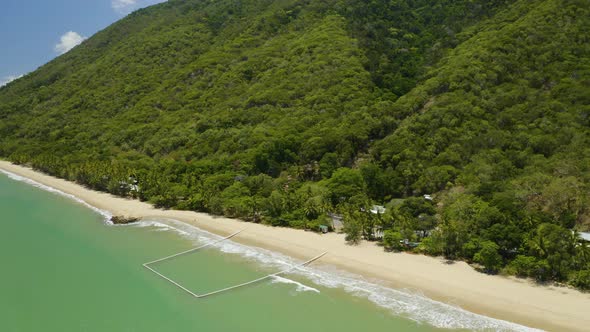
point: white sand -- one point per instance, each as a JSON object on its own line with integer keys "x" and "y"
{"x": 545, "y": 307}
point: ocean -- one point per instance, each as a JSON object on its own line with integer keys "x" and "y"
{"x": 66, "y": 268}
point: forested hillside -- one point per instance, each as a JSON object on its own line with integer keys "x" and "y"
{"x": 281, "y": 112}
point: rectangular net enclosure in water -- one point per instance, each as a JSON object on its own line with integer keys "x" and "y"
{"x": 151, "y": 266}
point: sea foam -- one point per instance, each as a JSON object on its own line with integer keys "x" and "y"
{"x": 300, "y": 287}
{"x": 106, "y": 214}
{"x": 409, "y": 304}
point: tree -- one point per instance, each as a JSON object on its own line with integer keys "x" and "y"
{"x": 392, "y": 240}
{"x": 581, "y": 279}
{"x": 464, "y": 217}
{"x": 345, "y": 183}
{"x": 237, "y": 202}
{"x": 563, "y": 199}
{"x": 553, "y": 243}
{"x": 489, "y": 257}
{"x": 508, "y": 236}
{"x": 276, "y": 204}
{"x": 582, "y": 250}
{"x": 314, "y": 200}
{"x": 353, "y": 227}
{"x": 375, "y": 180}
{"x": 328, "y": 164}
{"x": 528, "y": 266}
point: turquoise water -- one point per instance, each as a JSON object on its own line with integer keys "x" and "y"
{"x": 65, "y": 269}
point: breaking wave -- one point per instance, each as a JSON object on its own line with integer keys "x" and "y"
{"x": 412, "y": 305}
{"x": 408, "y": 304}
{"x": 106, "y": 214}
{"x": 300, "y": 287}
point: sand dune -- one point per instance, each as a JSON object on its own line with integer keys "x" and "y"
{"x": 520, "y": 301}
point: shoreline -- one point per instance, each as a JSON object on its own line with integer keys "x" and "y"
{"x": 515, "y": 300}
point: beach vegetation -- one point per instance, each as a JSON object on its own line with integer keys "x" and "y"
{"x": 489, "y": 257}
{"x": 353, "y": 227}
{"x": 581, "y": 279}
{"x": 393, "y": 241}
{"x": 468, "y": 120}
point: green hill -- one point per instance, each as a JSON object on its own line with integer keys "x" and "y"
{"x": 281, "y": 111}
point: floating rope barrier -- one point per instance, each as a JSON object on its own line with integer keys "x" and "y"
{"x": 147, "y": 266}
{"x": 194, "y": 249}
{"x": 171, "y": 281}
{"x": 262, "y": 278}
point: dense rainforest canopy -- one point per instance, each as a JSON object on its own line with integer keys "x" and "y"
{"x": 283, "y": 111}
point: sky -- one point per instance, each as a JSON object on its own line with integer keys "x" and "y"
{"x": 33, "y": 32}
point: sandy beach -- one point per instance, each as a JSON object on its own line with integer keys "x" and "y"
{"x": 545, "y": 307}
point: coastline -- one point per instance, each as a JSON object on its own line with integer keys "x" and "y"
{"x": 515, "y": 300}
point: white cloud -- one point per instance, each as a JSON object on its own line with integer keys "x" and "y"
{"x": 68, "y": 41}
{"x": 7, "y": 79}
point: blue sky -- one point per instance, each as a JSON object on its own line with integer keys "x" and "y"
{"x": 32, "y": 32}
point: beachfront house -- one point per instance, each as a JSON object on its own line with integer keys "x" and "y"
{"x": 378, "y": 209}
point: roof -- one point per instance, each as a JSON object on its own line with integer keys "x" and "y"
{"x": 378, "y": 209}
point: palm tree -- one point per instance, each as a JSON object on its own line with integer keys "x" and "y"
{"x": 581, "y": 250}
{"x": 583, "y": 255}
{"x": 537, "y": 244}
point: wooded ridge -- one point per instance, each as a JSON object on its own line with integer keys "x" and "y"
{"x": 281, "y": 112}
